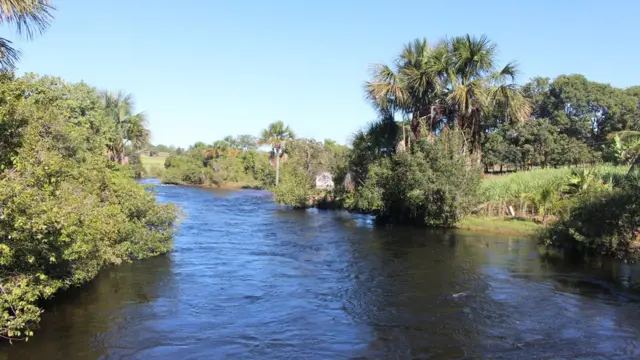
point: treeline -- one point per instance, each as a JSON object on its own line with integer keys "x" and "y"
{"x": 69, "y": 204}
{"x": 573, "y": 121}
{"x": 228, "y": 162}
{"x": 239, "y": 161}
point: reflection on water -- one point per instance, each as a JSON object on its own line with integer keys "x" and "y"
{"x": 249, "y": 279}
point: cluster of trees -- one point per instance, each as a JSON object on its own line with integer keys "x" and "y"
{"x": 239, "y": 162}
{"x": 573, "y": 121}
{"x": 69, "y": 204}
{"x": 227, "y": 162}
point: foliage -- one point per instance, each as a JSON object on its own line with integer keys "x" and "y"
{"x": 222, "y": 163}
{"x": 454, "y": 84}
{"x": 28, "y": 17}
{"x": 435, "y": 184}
{"x": 295, "y": 188}
{"x": 542, "y": 192}
{"x": 131, "y": 134}
{"x": 601, "y": 223}
{"x": 66, "y": 210}
{"x": 305, "y": 159}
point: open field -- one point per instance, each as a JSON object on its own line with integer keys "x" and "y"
{"x": 153, "y": 165}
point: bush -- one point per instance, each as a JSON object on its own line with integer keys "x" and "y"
{"x": 183, "y": 169}
{"x": 435, "y": 184}
{"x": 295, "y": 189}
{"x": 600, "y": 223}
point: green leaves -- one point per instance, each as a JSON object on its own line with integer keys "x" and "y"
{"x": 66, "y": 211}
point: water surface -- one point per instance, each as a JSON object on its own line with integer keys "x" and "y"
{"x": 249, "y": 279}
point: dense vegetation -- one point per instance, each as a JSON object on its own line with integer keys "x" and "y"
{"x": 227, "y": 162}
{"x": 69, "y": 205}
{"x": 447, "y": 113}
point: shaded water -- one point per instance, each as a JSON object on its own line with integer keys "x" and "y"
{"x": 249, "y": 279}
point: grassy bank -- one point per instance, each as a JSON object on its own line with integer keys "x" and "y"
{"x": 153, "y": 165}
{"x": 500, "y": 225}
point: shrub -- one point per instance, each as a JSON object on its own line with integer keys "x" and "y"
{"x": 435, "y": 184}
{"x": 295, "y": 189}
{"x": 600, "y": 223}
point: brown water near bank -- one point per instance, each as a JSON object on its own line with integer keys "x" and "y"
{"x": 250, "y": 279}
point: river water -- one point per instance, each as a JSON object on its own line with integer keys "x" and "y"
{"x": 250, "y": 279}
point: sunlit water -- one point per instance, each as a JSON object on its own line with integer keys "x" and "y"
{"x": 249, "y": 279}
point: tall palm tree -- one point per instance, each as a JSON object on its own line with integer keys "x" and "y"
{"x": 277, "y": 135}
{"x": 454, "y": 83}
{"x": 411, "y": 88}
{"x": 130, "y": 127}
{"x": 29, "y": 17}
{"x": 475, "y": 89}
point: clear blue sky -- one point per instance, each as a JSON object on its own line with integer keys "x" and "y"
{"x": 205, "y": 69}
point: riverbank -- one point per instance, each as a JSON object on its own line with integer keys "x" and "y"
{"x": 225, "y": 186}
{"x": 500, "y": 225}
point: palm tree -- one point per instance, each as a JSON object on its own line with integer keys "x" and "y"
{"x": 452, "y": 84}
{"x": 131, "y": 127}
{"x": 28, "y": 17}
{"x": 629, "y": 143}
{"x": 475, "y": 90}
{"x": 411, "y": 89}
{"x": 221, "y": 147}
{"x": 277, "y": 135}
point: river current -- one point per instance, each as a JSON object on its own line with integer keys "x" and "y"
{"x": 252, "y": 280}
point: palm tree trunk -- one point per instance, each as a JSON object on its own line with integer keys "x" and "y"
{"x": 277, "y": 166}
{"x": 635, "y": 167}
{"x": 404, "y": 136}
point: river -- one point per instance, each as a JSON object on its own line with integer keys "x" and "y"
{"x": 250, "y": 279}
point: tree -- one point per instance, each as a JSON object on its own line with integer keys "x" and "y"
{"x": 28, "y": 17}
{"x": 628, "y": 143}
{"x": 276, "y": 135}
{"x": 246, "y": 142}
{"x": 475, "y": 90}
{"x": 411, "y": 89}
{"x": 589, "y": 111}
{"x": 130, "y": 126}
{"x": 454, "y": 84}
{"x": 221, "y": 147}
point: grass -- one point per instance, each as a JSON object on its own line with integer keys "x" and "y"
{"x": 500, "y": 225}
{"x": 153, "y": 165}
{"x": 498, "y": 192}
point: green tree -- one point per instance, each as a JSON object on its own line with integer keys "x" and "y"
{"x": 131, "y": 126}
{"x": 455, "y": 84}
{"x": 67, "y": 211}
{"x": 247, "y": 142}
{"x": 277, "y": 135}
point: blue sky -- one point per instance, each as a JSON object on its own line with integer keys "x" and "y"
{"x": 205, "y": 69}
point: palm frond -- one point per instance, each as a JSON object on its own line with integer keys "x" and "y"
{"x": 8, "y": 54}
{"x": 30, "y": 17}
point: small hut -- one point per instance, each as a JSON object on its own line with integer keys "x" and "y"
{"x": 324, "y": 181}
